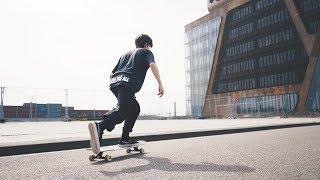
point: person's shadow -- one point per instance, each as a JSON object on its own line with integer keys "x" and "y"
{"x": 165, "y": 164}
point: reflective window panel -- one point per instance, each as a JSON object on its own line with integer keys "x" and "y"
{"x": 260, "y": 48}
{"x": 200, "y": 44}
{"x": 309, "y": 11}
{"x": 313, "y": 101}
{"x": 283, "y": 103}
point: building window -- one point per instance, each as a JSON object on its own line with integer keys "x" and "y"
{"x": 273, "y": 104}
{"x": 310, "y": 14}
{"x": 253, "y": 46}
{"x": 200, "y": 43}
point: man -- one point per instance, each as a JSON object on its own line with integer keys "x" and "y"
{"x": 127, "y": 79}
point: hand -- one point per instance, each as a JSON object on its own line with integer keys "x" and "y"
{"x": 161, "y": 90}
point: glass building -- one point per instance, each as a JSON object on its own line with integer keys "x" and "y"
{"x": 260, "y": 48}
{"x": 200, "y": 43}
{"x": 45, "y": 110}
{"x": 266, "y": 61}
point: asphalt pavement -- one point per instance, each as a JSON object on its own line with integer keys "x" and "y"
{"x": 34, "y": 137}
{"x": 18, "y": 133}
{"x": 291, "y": 153}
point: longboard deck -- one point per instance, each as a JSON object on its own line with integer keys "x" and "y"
{"x": 116, "y": 148}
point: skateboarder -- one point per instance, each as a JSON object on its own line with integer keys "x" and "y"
{"x": 126, "y": 79}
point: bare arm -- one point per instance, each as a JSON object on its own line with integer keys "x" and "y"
{"x": 156, "y": 74}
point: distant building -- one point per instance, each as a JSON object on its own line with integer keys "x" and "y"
{"x": 16, "y": 112}
{"x": 38, "y": 111}
{"x": 45, "y": 110}
{"x": 256, "y": 58}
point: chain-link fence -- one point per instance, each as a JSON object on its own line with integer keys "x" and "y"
{"x": 47, "y": 104}
{"x": 259, "y": 106}
{"x": 217, "y": 107}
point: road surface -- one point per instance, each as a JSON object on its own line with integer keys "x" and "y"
{"x": 292, "y": 153}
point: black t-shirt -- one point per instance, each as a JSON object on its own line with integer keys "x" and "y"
{"x": 132, "y": 68}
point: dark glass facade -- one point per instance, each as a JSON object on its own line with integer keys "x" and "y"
{"x": 313, "y": 101}
{"x": 309, "y": 11}
{"x": 283, "y": 103}
{"x": 54, "y": 110}
{"x": 42, "y": 110}
{"x": 263, "y": 64}
{"x": 260, "y": 48}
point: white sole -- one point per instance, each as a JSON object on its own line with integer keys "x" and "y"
{"x": 94, "y": 139}
{"x": 129, "y": 145}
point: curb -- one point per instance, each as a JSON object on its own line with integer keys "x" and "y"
{"x": 69, "y": 145}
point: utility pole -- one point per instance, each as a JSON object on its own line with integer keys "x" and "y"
{"x": 66, "y": 116}
{"x": 1, "y": 107}
{"x": 175, "y": 110}
{"x": 35, "y": 106}
{"x": 48, "y": 110}
{"x": 30, "y": 108}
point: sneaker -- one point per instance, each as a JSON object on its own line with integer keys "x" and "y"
{"x": 95, "y": 137}
{"x": 128, "y": 143}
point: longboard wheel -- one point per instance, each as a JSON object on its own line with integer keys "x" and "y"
{"x": 142, "y": 151}
{"x": 91, "y": 157}
{"x": 128, "y": 150}
{"x": 108, "y": 158}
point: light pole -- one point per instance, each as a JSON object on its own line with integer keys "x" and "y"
{"x": 1, "y": 107}
{"x": 30, "y": 108}
{"x": 175, "y": 110}
{"x": 66, "y": 116}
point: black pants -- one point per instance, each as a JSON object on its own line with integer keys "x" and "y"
{"x": 127, "y": 110}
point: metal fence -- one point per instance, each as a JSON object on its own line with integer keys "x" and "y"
{"x": 47, "y": 104}
{"x": 259, "y": 106}
{"x": 37, "y": 104}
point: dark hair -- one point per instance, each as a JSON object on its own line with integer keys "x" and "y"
{"x": 142, "y": 39}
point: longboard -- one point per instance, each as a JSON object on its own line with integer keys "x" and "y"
{"x": 129, "y": 149}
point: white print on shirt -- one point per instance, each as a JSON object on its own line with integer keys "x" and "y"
{"x": 119, "y": 78}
